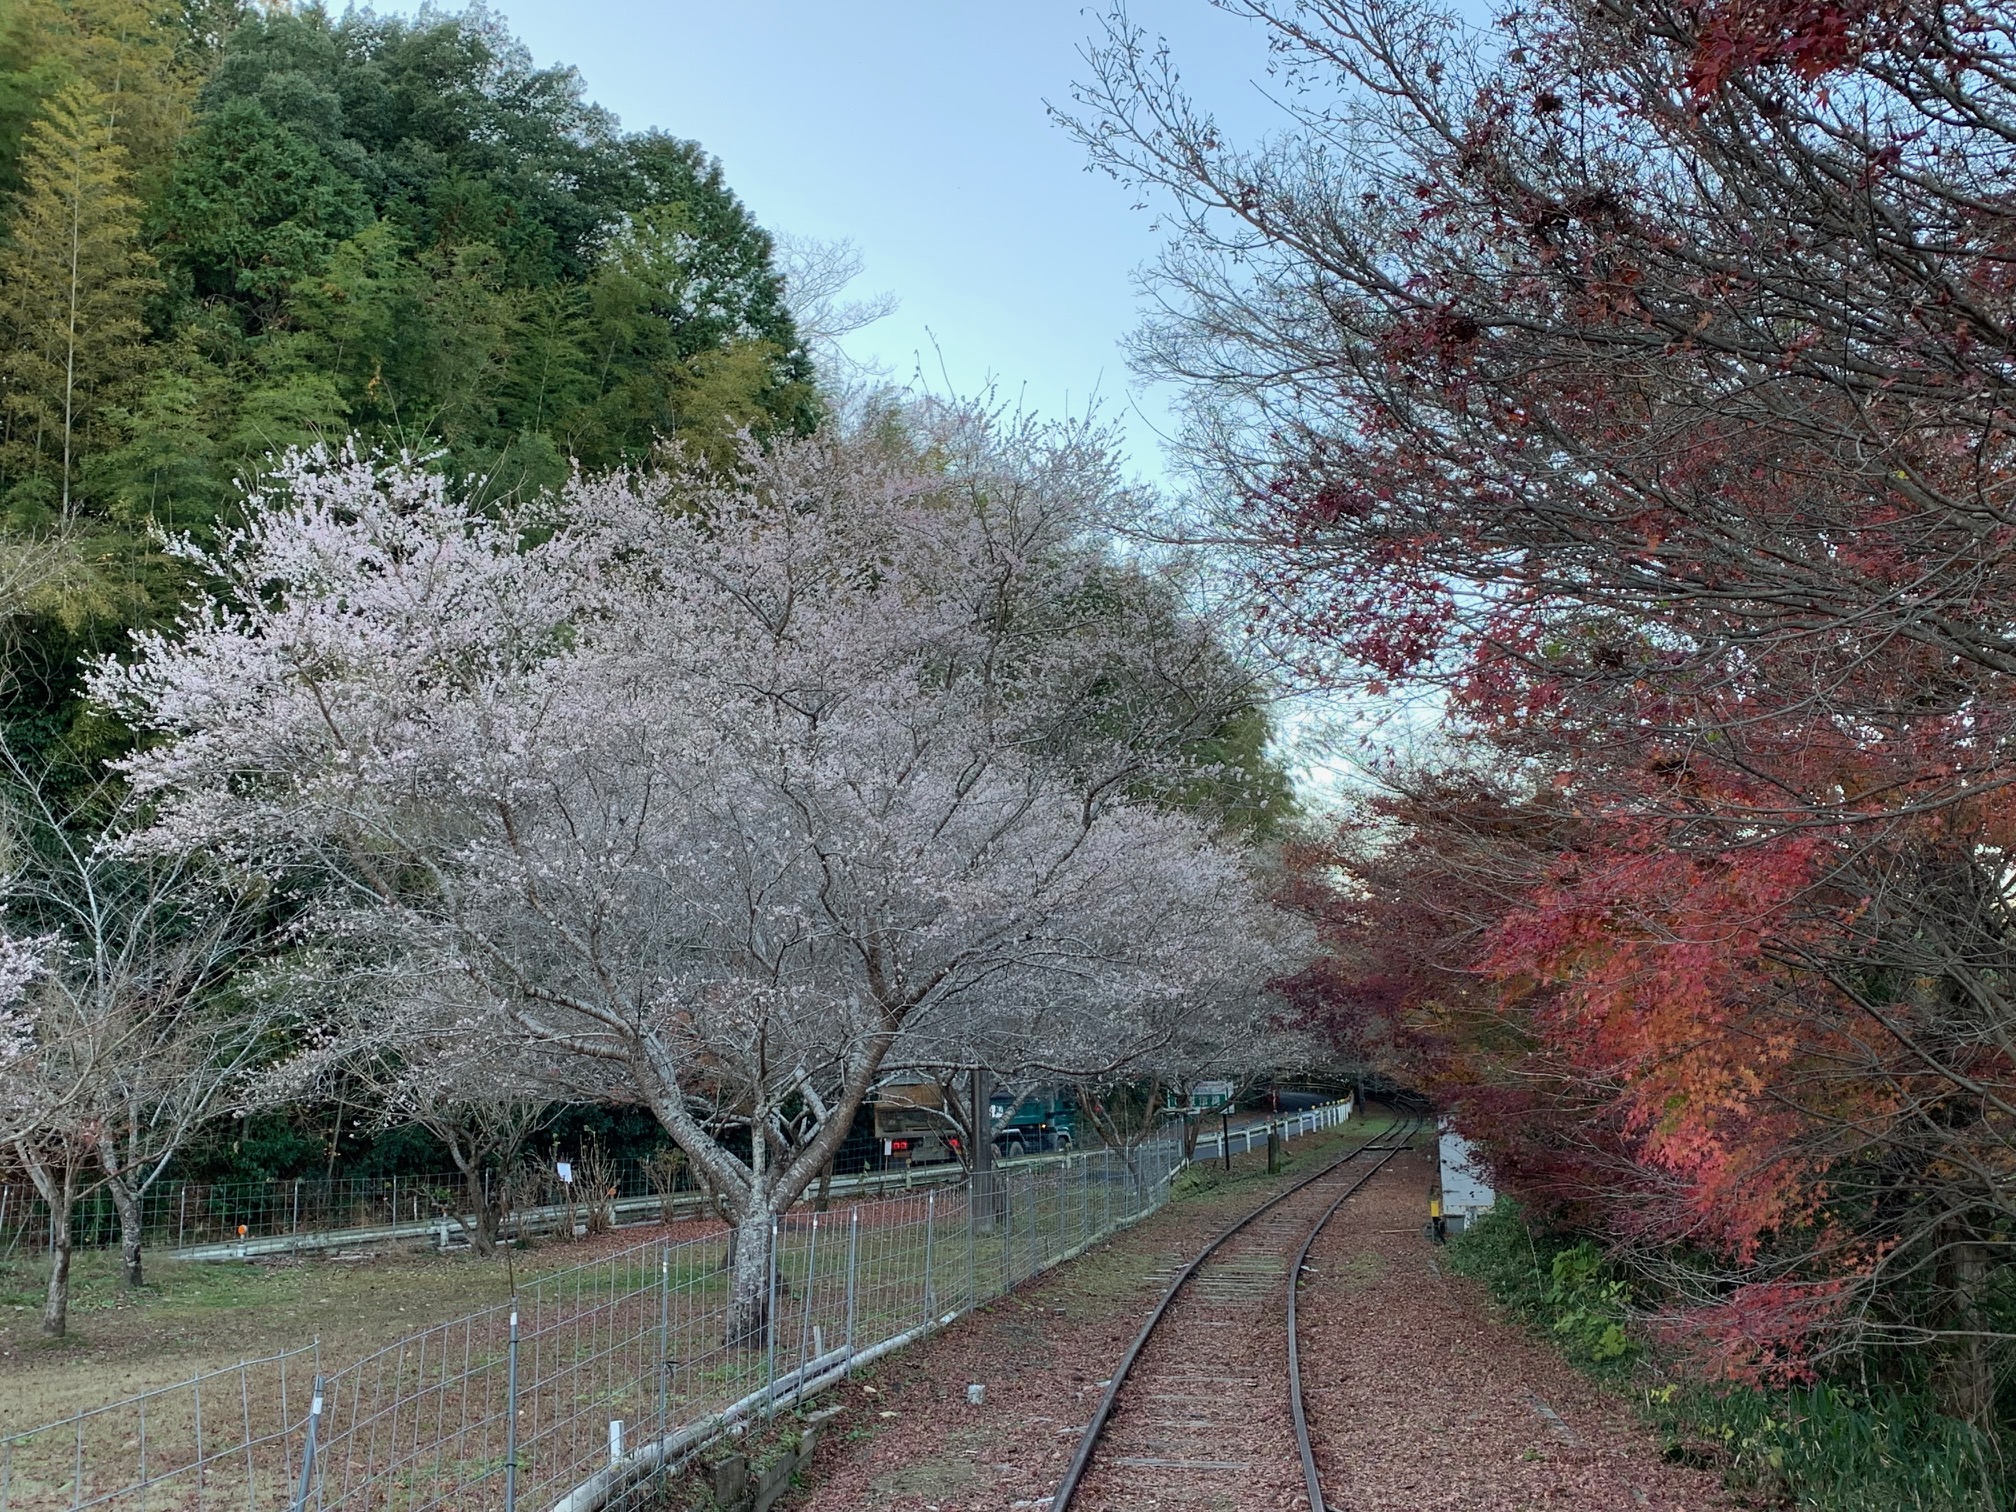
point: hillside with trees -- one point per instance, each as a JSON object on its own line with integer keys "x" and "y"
{"x": 231, "y": 232}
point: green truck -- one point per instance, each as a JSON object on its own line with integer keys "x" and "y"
{"x": 1044, "y": 1121}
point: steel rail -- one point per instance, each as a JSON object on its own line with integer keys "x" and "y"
{"x": 1311, "y": 1481}
{"x": 1088, "y": 1443}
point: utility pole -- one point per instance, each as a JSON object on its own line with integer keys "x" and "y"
{"x": 980, "y": 1115}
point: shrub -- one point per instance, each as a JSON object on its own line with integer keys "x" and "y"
{"x": 1835, "y": 1449}
{"x": 1553, "y": 1285}
{"x": 1826, "y": 1448}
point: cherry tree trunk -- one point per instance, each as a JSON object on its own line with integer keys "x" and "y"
{"x": 989, "y": 1197}
{"x": 56, "y": 1303}
{"x": 749, "y": 1283}
{"x": 484, "y": 1210}
{"x": 126, "y": 1202}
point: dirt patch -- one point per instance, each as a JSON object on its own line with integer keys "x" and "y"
{"x": 940, "y": 1478}
{"x": 1348, "y": 1274}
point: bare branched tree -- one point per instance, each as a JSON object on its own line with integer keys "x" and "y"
{"x": 136, "y": 1037}
{"x": 817, "y": 274}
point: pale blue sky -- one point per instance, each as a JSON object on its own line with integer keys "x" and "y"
{"x": 917, "y": 129}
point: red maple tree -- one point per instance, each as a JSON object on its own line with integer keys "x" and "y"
{"x": 1641, "y": 377}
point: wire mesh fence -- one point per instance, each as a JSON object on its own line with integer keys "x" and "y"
{"x": 229, "y": 1438}
{"x": 573, "y": 1396}
{"x": 177, "y": 1215}
{"x": 199, "y": 1219}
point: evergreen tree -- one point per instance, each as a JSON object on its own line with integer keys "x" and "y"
{"x": 401, "y": 231}
{"x": 142, "y": 56}
{"x": 405, "y": 230}
{"x": 75, "y": 278}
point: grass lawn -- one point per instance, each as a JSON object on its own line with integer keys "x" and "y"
{"x": 194, "y": 1317}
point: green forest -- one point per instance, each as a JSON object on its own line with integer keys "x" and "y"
{"x": 232, "y": 230}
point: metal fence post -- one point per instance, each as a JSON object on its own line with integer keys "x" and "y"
{"x": 1067, "y": 1191}
{"x": 853, "y": 1249}
{"x": 1039, "y": 1251}
{"x": 770, "y": 1327}
{"x": 664, "y": 1339}
{"x": 930, "y": 1233}
{"x": 1029, "y": 1196}
{"x": 297, "y": 1205}
{"x": 511, "y": 1419}
{"x": 1006, "y": 1225}
{"x": 1106, "y": 1191}
{"x": 1085, "y": 1198}
{"x": 972, "y": 1272}
{"x": 1062, "y": 1245}
{"x": 811, "y": 1291}
{"x": 1059, "y": 1242}
{"x": 1035, "y": 1222}
{"x": 1064, "y": 1191}
{"x": 308, "y": 1446}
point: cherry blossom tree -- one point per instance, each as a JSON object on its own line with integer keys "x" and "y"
{"x": 1130, "y": 1045}
{"x": 457, "y": 1070}
{"x": 715, "y": 787}
{"x": 21, "y": 961}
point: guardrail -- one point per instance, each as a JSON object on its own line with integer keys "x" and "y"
{"x": 1245, "y": 1139}
{"x": 446, "y": 1229}
{"x": 594, "y": 1380}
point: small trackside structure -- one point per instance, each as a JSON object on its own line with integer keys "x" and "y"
{"x": 1466, "y": 1192}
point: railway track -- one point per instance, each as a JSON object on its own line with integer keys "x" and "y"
{"x": 1188, "y": 1408}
